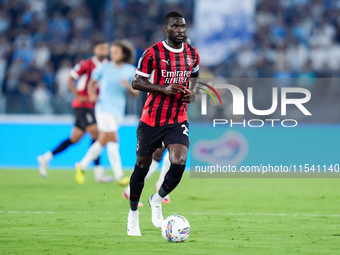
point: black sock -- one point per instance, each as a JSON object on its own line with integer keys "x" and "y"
{"x": 96, "y": 161}
{"x": 162, "y": 192}
{"x": 62, "y": 146}
{"x": 136, "y": 186}
{"x": 134, "y": 205}
{"x": 171, "y": 179}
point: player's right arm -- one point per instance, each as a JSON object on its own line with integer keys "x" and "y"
{"x": 146, "y": 65}
{"x": 141, "y": 83}
{"x": 72, "y": 87}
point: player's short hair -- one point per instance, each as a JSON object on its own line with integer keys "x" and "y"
{"x": 98, "y": 42}
{"x": 128, "y": 50}
{"x": 171, "y": 15}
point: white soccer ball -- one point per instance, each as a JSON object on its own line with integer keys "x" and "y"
{"x": 175, "y": 229}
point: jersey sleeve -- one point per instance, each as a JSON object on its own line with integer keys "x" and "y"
{"x": 78, "y": 70}
{"x": 97, "y": 73}
{"x": 146, "y": 64}
{"x": 196, "y": 66}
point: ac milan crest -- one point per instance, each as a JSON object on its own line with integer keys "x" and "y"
{"x": 188, "y": 61}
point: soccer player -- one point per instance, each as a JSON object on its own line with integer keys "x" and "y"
{"x": 114, "y": 80}
{"x": 85, "y": 120}
{"x": 164, "y": 70}
{"x": 156, "y": 158}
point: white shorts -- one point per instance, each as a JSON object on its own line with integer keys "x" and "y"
{"x": 106, "y": 122}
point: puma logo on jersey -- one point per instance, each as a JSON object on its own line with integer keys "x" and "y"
{"x": 166, "y": 61}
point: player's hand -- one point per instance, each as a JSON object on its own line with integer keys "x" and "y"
{"x": 125, "y": 83}
{"x": 81, "y": 98}
{"x": 189, "y": 96}
{"x": 173, "y": 89}
{"x": 93, "y": 98}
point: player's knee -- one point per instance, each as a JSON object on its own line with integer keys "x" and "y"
{"x": 144, "y": 162}
{"x": 74, "y": 140}
{"x": 143, "y": 165}
{"x": 94, "y": 135}
{"x": 111, "y": 137}
{"x": 157, "y": 156}
{"x": 178, "y": 154}
{"x": 178, "y": 159}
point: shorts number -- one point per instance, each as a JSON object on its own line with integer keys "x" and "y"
{"x": 89, "y": 117}
{"x": 186, "y": 130}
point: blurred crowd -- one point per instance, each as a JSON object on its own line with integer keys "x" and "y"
{"x": 293, "y": 38}
{"x": 40, "y": 41}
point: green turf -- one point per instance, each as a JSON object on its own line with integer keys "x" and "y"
{"x": 227, "y": 216}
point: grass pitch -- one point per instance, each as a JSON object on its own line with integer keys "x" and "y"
{"x": 227, "y": 216}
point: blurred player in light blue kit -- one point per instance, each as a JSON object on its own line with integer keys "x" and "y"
{"x": 114, "y": 80}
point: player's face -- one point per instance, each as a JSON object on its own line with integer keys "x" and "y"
{"x": 175, "y": 30}
{"x": 101, "y": 50}
{"x": 116, "y": 53}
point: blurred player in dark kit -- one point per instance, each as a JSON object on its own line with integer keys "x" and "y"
{"x": 85, "y": 120}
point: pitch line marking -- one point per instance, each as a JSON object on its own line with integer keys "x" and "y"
{"x": 192, "y": 213}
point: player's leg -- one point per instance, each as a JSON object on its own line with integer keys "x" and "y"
{"x": 87, "y": 120}
{"x": 43, "y": 160}
{"x": 156, "y": 158}
{"x": 176, "y": 139}
{"x": 136, "y": 186}
{"x": 94, "y": 133}
{"x": 76, "y": 134}
{"x": 92, "y": 129}
{"x": 165, "y": 168}
{"x": 114, "y": 157}
{"x": 108, "y": 124}
{"x": 137, "y": 179}
{"x": 93, "y": 154}
{"x": 148, "y": 140}
{"x": 178, "y": 155}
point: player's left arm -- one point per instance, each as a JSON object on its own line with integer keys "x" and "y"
{"x": 92, "y": 86}
{"x": 190, "y": 95}
{"x": 92, "y": 90}
{"x": 132, "y": 91}
{"x": 127, "y": 83}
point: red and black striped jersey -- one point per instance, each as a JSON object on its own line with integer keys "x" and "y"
{"x": 82, "y": 72}
{"x": 164, "y": 65}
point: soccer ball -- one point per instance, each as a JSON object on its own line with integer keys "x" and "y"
{"x": 175, "y": 229}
